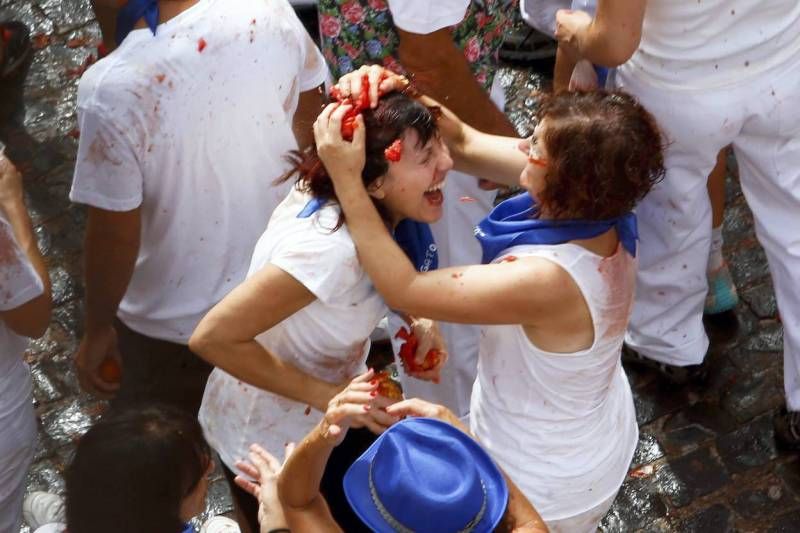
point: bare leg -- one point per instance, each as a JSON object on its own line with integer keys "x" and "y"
{"x": 722, "y": 295}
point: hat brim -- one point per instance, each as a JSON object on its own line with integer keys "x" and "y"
{"x": 356, "y": 486}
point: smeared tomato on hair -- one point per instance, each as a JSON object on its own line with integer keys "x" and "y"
{"x": 409, "y": 348}
{"x": 395, "y": 151}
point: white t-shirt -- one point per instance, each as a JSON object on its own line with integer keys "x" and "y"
{"x": 193, "y": 124}
{"x": 424, "y": 16}
{"x": 19, "y": 283}
{"x": 714, "y": 43}
{"x": 329, "y": 338}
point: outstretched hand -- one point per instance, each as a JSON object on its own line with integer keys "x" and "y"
{"x": 264, "y": 469}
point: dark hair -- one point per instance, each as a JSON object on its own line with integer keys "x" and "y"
{"x": 604, "y": 153}
{"x": 395, "y": 113}
{"x": 132, "y": 470}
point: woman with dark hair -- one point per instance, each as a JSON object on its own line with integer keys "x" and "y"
{"x": 551, "y": 402}
{"x": 297, "y": 330}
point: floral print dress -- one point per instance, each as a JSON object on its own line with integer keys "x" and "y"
{"x": 361, "y": 32}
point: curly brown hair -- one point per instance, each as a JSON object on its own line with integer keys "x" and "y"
{"x": 604, "y": 153}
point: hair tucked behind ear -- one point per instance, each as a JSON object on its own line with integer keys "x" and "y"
{"x": 394, "y": 114}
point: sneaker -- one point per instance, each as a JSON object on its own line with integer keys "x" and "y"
{"x": 675, "y": 375}
{"x": 220, "y": 524}
{"x": 40, "y": 508}
{"x": 787, "y": 428}
{"x": 722, "y": 295}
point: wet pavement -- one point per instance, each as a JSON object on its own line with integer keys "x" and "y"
{"x": 707, "y": 459}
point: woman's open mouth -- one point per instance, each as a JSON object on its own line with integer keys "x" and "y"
{"x": 434, "y": 194}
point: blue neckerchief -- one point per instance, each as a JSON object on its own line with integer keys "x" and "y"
{"x": 602, "y": 75}
{"x": 130, "y": 14}
{"x": 415, "y": 238}
{"x": 188, "y": 528}
{"x": 513, "y": 222}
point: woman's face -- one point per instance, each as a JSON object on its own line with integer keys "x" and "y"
{"x": 533, "y": 175}
{"x": 412, "y": 187}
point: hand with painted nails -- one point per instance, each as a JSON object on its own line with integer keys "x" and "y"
{"x": 357, "y": 405}
{"x": 380, "y": 81}
{"x": 263, "y": 469}
{"x": 344, "y": 160}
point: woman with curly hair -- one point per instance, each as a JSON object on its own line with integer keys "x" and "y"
{"x": 551, "y": 402}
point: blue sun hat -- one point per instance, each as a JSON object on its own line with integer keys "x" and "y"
{"x": 425, "y": 476}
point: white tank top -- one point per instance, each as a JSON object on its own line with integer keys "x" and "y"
{"x": 562, "y": 425}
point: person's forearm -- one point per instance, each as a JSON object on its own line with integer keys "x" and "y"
{"x": 252, "y": 363}
{"x": 308, "y": 106}
{"x": 386, "y": 264}
{"x": 20, "y": 222}
{"x": 111, "y": 250}
{"x": 492, "y": 157}
{"x": 562, "y": 72}
{"x": 440, "y": 70}
{"x": 614, "y": 33}
{"x": 299, "y": 481}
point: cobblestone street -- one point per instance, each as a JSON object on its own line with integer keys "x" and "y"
{"x": 707, "y": 458}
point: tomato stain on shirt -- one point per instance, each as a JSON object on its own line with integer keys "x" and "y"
{"x": 201, "y": 44}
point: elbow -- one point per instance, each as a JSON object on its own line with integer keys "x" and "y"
{"x": 204, "y": 343}
{"x": 621, "y": 51}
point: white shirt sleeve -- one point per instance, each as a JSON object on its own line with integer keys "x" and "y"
{"x": 427, "y": 16}
{"x": 326, "y": 264}
{"x": 314, "y": 71}
{"x": 19, "y": 282}
{"x": 107, "y": 170}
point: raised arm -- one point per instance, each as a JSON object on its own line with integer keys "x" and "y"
{"x": 518, "y": 292}
{"x": 226, "y": 337}
{"x": 298, "y": 485}
{"x": 31, "y": 318}
{"x": 484, "y": 155}
{"x": 609, "y": 39}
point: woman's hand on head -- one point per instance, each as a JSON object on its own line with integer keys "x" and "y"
{"x": 381, "y": 81}
{"x": 264, "y": 469}
{"x": 344, "y": 160}
{"x": 357, "y": 405}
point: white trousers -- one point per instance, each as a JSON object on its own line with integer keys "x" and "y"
{"x": 17, "y": 445}
{"x": 465, "y": 204}
{"x": 761, "y": 119}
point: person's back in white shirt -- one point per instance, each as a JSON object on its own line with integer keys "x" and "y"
{"x": 191, "y": 125}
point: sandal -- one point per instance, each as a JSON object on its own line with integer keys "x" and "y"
{"x": 675, "y": 375}
{"x": 15, "y": 48}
